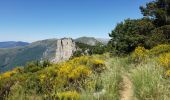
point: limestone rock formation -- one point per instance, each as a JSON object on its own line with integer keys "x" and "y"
{"x": 65, "y": 49}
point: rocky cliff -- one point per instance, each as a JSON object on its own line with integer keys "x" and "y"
{"x": 65, "y": 49}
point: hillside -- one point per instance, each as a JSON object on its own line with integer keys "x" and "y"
{"x": 54, "y": 50}
{"x": 103, "y": 40}
{"x": 12, "y": 44}
{"x": 98, "y": 77}
{"x": 89, "y": 41}
{"x": 51, "y": 49}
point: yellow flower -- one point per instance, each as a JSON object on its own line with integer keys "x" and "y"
{"x": 97, "y": 61}
{"x": 157, "y": 50}
{"x": 168, "y": 73}
{"x": 64, "y": 70}
{"x": 80, "y": 71}
{"x": 68, "y": 95}
{"x": 98, "y": 65}
{"x": 42, "y": 77}
{"x": 164, "y": 60}
{"x": 140, "y": 54}
{"x": 8, "y": 74}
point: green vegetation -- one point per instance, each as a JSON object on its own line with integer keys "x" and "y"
{"x": 142, "y": 72}
{"x": 150, "y": 76}
{"x": 158, "y": 11}
{"x": 107, "y": 84}
{"x": 128, "y": 35}
{"x": 85, "y": 49}
{"x": 149, "y": 83}
{"x": 92, "y": 77}
{"x": 43, "y": 80}
{"x": 151, "y": 30}
{"x": 19, "y": 56}
{"x": 42, "y": 50}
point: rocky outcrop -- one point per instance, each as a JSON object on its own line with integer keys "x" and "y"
{"x": 65, "y": 49}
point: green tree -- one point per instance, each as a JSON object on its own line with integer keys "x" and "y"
{"x": 160, "y": 35}
{"x": 129, "y": 34}
{"x": 158, "y": 10}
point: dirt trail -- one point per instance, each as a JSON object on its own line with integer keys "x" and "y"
{"x": 127, "y": 89}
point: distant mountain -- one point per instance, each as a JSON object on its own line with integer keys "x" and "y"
{"x": 14, "y": 54}
{"x": 103, "y": 40}
{"x": 91, "y": 41}
{"x": 55, "y": 50}
{"x": 12, "y": 44}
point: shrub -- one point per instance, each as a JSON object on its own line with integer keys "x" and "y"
{"x": 42, "y": 77}
{"x": 64, "y": 70}
{"x": 98, "y": 65}
{"x": 79, "y": 72}
{"x": 164, "y": 60}
{"x": 159, "y": 49}
{"x": 140, "y": 54}
{"x": 32, "y": 67}
{"x": 73, "y": 73}
{"x": 35, "y": 66}
{"x": 8, "y": 74}
{"x": 48, "y": 80}
{"x": 77, "y": 53}
{"x": 167, "y": 73}
{"x": 68, "y": 95}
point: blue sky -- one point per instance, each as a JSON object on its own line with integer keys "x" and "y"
{"x": 31, "y": 20}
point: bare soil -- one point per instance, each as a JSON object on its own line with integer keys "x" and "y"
{"x": 127, "y": 89}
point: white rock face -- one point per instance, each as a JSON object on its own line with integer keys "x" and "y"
{"x": 65, "y": 49}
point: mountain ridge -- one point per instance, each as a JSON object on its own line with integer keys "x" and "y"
{"x": 92, "y": 41}
{"x": 54, "y": 50}
{"x": 84, "y": 39}
{"x": 11, "y": 44}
